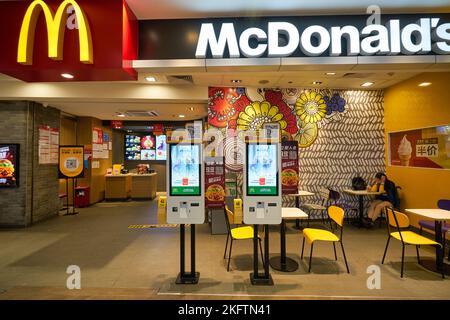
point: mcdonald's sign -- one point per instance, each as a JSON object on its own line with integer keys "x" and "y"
{"x": 55, "y": 30}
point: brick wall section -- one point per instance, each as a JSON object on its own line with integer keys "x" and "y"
{"x": 37, "y": 196}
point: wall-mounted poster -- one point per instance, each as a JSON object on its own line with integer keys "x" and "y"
{"x": 71, "y": 161}
{"x": 161, "y": 147}
{"x": 423, "y": 148}
{"x": 289, "y": 167}
{"x": 9, "y": 165}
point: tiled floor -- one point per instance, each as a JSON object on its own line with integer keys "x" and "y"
{"x": 121, "y": 263}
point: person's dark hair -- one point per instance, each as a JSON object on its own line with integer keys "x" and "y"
{"x": 379, "y": 175}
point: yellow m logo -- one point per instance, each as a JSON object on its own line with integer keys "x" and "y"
{"x": 56, "y": 25}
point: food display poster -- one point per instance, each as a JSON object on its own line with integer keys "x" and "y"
{"x": 214, "y": 182}
{"x": 262, "y": 170}
{"x": 185, "y": 170}
{"x": 97, "y": 136}
{"x": 71, "y": 160}
{"x": 161, "y": 147}
{"x": 422, "y": 148}
{"x": 289, "y": 167}
{"x": 9, "y": 165}
{"x": 48, "y": 145}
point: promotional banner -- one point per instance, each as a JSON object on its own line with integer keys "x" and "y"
{"x": 71, "y": 161}
{"x": 289, "y": 167}
{"x": 424, "y": 148}
{"x": 185, "y": 170}
{"x": 214, "y": 182}
{"x": 262, "y": 170}
{"x": 9, "y": 165}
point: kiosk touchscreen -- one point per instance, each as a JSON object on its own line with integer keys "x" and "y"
{"x": 185, "y": 194}
{"x": 262, "y": 183}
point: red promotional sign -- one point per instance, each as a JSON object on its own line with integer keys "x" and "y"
{"x": 116, "y": 124}
{"x": 112, "y": 30}
{"x": 289, "y": 167}
{"x": 158, "y": 128}
{"x": 215, "y": 182}
{"x": 97, "y": 136}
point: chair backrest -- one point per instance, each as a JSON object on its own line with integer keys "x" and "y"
{"x": 444, "y": 204}
{"x": 336, "y": 214}
{"x": 229, "y": 218}
{"x": 397, "y": 219}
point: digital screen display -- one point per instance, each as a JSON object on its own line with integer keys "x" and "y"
{"x": 9, "y": 165}
{"x": 132, "y": 147}
{"x": 262, "y": 170}
{"x": 148, "y": 155}
{"x": 147, "y": 142}
{"x": 185, "y": 169}
{"x": 161, "y": 147}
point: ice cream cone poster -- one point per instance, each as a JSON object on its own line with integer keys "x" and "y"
{"x": 423, "y": 148}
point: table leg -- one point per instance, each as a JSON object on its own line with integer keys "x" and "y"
{"x": 297, "y": 205}
{"x": 283, "y": 263}
{"x": 438, "y": 265}
{"x": 361, "y": 210}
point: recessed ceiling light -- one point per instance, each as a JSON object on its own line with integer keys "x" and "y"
{"x": 150, "y": 79}
{"x": 191, "y": 108}
{"x": 367, "y": 84}
{"x": 67, "y": 75}
{"x": 425, "y": 84}
{"x": 330, "y": 73}
{"x": 316, "y": 82}
{"x": 181, "y": 116}
{"x": 121, "y": 115}
{"x": 236, "y": 81}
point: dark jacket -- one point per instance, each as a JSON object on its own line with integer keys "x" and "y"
{"x": 391, "y": 194}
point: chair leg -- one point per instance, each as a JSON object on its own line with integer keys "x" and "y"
{"x": 334, "y": 248}
{"x": 261, "y": 251}
{"x": 403, "y": 260}
{"x": 345, "y": 258}
{"x": 303, "y": 247}
{"x": 226, "y": 246}
{"x": 385, "y": 250}
{"x": 418, "y": 256}
{"x": 229, "y": 255}
{"x": 310, "y": 256}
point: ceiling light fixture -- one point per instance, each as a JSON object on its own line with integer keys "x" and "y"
{"x": 367, "y": 84}
{"x": 67, "y": 75}
{"x": 191, "y": 108}
{"x": 121, "y": 115}
{"x": 425, "y": 84}
{"x": 236, "y": 81}
{"x": 181, "y": 116}
{"x": 150, "y": 79}
{"x": 330, "y": 73}
{"x": 316, "y": 83}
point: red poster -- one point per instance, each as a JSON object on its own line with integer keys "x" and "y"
{"x": 158, "y": 129}
{"x": 97, "y": 136}
{"x": 424, "y": 148}
{"x": 214, "y": 182}
{"x": 289, "y": 167}
{"x": 116, "y": 124}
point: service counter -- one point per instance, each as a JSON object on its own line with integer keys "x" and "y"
{"x": 137, "y": 186}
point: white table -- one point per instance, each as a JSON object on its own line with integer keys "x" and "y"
{"x": 439, "y": 216}
{"x": 283, "y": 263}
{"x": 300, "y": 193}
{"x": 360, "y": 194}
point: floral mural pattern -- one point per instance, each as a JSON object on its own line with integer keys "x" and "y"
{"x": 298, "y": 112}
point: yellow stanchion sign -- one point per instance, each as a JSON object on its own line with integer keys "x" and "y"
{"x": 238, "y": 211}
{"x": 71, "y": 161}
{"x": 162, "y": 210}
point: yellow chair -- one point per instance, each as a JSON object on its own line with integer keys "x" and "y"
{"x": 336, "y": 214}
{"x": 400, "y": 221}
{"x": 239, "y": 233}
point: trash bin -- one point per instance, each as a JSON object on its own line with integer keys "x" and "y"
{"x": 81, "y": 197}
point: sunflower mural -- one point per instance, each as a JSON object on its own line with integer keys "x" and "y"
{"x": 300, "y": 113}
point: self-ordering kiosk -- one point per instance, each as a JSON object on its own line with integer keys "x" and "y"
{"x": 262, "y": 183}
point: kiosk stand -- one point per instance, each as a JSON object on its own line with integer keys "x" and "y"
{"x": 185, "y": 198}
{"x": 262, "y": 197}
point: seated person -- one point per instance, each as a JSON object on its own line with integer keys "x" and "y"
{"x": 388, "y": 199}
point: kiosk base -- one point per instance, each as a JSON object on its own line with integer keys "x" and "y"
{"x": 261, "y": 280}
{"x": 188, "y": 278}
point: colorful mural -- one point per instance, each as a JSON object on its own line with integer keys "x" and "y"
{"x": 340, "y": 133}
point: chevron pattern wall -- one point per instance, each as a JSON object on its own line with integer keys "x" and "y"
{"x": 340, "y": 139}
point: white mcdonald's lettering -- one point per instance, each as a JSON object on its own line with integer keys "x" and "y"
{"x": 421, "y": 37}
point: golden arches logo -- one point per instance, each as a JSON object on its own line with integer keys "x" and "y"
{"x": 56, "y": 25}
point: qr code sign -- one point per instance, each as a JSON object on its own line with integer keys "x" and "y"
{"x": 71, "y": 164}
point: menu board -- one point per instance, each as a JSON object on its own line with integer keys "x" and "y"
{"x": 185, "y": 170}
{"x": 214, "y": 182}
{"x": 161, "y": 147}
{"x": 132, "y": 147}
{"x": 424, "y": 148}
{"x": 9, "y": 165}
{"x": 289, "y": 167}
{"x": 48, "y": 145}
{"x": 262, "y": 170}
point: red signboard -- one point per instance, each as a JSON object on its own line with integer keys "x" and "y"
{"x": 116, "y": 124}
{"x": 215, "y": 182}
{"x": 113, "y": 29}
{"x": 289, "y": 167}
